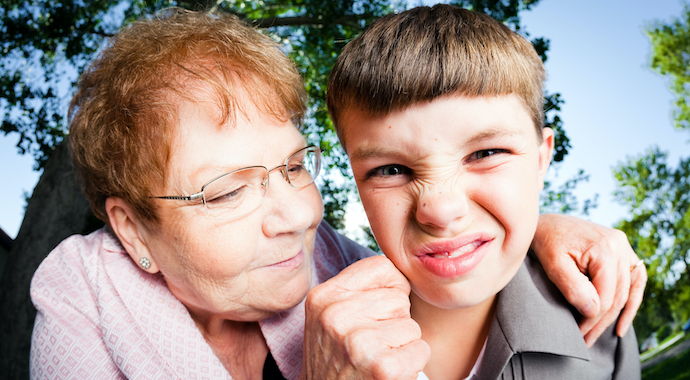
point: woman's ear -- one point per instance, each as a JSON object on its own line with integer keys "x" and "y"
{"x": 545, "y": 154}
{"x": 130, "y": 230}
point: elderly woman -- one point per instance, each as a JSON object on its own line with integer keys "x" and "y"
{"x": 184, "y": 133}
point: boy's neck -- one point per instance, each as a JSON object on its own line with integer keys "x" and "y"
{"x": 456, "y": 336}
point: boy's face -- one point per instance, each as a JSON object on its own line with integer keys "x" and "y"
{"x": 451, "y": 189}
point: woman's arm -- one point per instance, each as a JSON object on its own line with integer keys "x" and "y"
{"x": 571, "y": 249}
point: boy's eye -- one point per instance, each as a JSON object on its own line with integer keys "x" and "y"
{"x": 388, "y": 176}
{"x": 481, "y": 154}
{"x": 389, "y": 171}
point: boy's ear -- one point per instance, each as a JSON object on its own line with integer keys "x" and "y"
{"x": 130, "y": 231}
{"x": 545, "y": 153}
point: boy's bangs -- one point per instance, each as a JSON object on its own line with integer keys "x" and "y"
{"x": 428, "y": 53}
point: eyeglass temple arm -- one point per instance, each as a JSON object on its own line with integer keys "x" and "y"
{"x": 183, "y": 197}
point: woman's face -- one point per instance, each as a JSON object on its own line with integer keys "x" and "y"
{"x": 248, "y": 268}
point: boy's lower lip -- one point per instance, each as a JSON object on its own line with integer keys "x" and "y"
{"x": 449, "y": 267}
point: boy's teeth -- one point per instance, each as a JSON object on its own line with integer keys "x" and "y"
{"x": 443, "y": 255}
{"x": 459, "y": 252}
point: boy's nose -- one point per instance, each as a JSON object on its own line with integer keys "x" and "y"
{"x": 439, "y": 208}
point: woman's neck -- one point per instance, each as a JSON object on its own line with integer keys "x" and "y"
{"x": 240, "y": 346}
{"x": 456, "y": 336}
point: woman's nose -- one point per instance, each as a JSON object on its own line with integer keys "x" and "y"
{"x": 289, "y": 209}
{"x": 439, "y": 206}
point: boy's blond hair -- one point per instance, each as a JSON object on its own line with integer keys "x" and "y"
{"x": 426, "y": 53}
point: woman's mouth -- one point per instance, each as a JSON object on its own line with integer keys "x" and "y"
{"x": 290, "y": 263}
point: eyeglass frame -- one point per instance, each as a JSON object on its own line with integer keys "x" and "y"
{"x": 284, "y": 172}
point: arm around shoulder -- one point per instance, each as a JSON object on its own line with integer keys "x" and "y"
{"x": 573, "y": 251}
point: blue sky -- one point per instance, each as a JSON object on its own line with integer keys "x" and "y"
{"x": 615, "y": 106}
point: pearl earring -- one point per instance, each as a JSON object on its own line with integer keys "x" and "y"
{"x": 145, "y": 263}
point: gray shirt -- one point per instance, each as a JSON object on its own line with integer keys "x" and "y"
{"x": 534, "y": 335}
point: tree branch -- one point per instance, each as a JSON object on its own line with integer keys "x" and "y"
{"x": 306, "y": 20}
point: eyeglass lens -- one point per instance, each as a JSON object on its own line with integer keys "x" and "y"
{"x": 240, "y": 192}
{"x": 303, "y": 167}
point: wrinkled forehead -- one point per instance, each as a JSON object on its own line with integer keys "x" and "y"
{"x": 223, "y": 108}
{"x": 207, "y": 119}
{"x": 227, "y": 94}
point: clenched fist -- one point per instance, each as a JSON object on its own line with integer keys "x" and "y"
{"x": 358, "y": 326}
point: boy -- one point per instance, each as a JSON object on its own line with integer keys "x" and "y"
{"x": 437, "y": 109}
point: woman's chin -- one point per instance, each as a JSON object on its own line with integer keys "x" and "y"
{"x": 270, "y": 308}
{"x": 291, "y": 293}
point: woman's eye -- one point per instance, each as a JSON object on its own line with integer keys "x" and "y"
{"x": 227, "y": 197}
{"x": 295, "y": 168}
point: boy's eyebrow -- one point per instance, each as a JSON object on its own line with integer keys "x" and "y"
{"x": 364, "y": 152}
{"x": 489, "y": 134}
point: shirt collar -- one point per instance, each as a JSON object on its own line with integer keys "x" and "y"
{"x": 534, "y": 316}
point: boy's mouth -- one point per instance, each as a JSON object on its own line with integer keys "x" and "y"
{"x": 455, "y": 247}
{"x": 454, "y": 257}
{"x": 467, "y": 248}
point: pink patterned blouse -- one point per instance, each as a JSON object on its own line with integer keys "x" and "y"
{"x": 101, "y": 317}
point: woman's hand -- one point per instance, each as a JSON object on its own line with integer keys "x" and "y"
{"x": 569, "y": 248}
{"x": 358, "y": 326}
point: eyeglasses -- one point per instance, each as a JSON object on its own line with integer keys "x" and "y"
{"x": 237, "y": 193}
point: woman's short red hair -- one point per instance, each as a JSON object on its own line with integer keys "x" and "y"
{"x": 124, "y": 113}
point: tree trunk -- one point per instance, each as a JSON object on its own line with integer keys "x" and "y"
{"x": 56, "y": 210}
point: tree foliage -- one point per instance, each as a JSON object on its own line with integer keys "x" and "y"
{"x": 658, "y": 198}
{"x": 671, "y": 58}
{"x": 658, "y": 195}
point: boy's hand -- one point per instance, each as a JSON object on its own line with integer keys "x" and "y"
{"x": 567, "y": 247}
{"x": 358, "y": 326}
